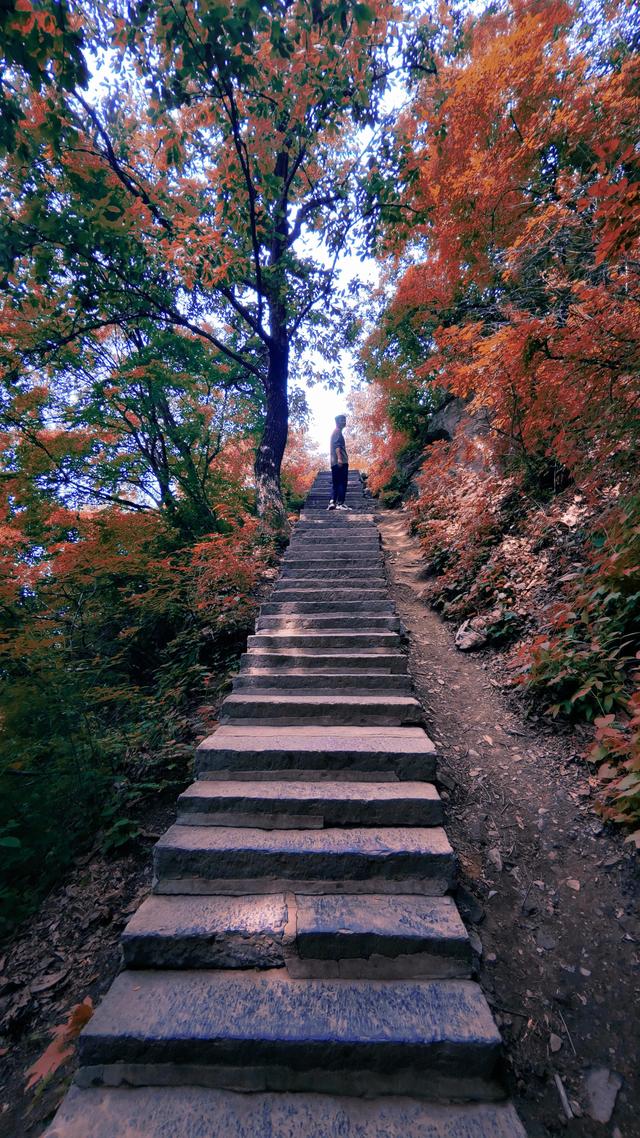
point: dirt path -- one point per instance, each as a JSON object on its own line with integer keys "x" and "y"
{"x": 548, "y": 891}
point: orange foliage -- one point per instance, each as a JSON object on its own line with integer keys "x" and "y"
{"x": 301, "y": 463}
{"x": 377, "y": 441}
{"x": 61, "y": 1047}
{"x": 522, "y": 297}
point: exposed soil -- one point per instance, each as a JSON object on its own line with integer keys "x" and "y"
{"x": 69, "y": 951}
{"x": 547, "y": 890}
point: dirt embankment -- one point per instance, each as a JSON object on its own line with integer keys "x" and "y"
{"x": 548, "y": 891}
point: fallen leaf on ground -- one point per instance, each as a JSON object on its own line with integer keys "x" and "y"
{"x": 555, "y": 1042}
{"x": 573, "y": 883}
{"x": 48, "y": 981}
{"x": 61, "y": 1047}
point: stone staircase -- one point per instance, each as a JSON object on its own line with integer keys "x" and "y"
{"x": 300, "y": 970}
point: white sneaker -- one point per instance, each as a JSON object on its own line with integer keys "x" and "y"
{"x": 332, "y": 505}
{"x": 343, "y": 507}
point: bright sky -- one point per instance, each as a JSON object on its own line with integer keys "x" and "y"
{"x": 323, "y": 403}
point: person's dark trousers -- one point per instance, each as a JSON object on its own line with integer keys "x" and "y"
{"x": 339, "y": 475}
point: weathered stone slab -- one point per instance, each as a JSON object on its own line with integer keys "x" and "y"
{"x": 197, "y": 1112}
{"x": 323, "y": 548}
{"x": 333, "y": 604}
{"x": 287, "y": 1030}
{"x": 349, "y": 621}
{"x": 350, "y": 860}
{"x": 333, "y": 804}
{"x": 334, "y": 709}
{"x": 328, "y": 577}
{"x": 285, "y": 592}
{"x": 325, "y": 640}
{"x": 354, "y": 926}
{"x": 207, "y": 932}
{"x": 341, "y": 659}
{"x": 320, "y": 555}
{"x": 324, "y": 529}
{"x": 319, "y": 681}
{"x": 350, "y": 563}
{"x": 406, "y": 752}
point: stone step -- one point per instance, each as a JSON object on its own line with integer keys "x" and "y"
{"x": 348, "y": 936}
{"x": 329, "y": 526}
{"x": 321, "y": 567}
{"x": 221, "y": 859}
{"x": 319, "y": 543}
{"x": 318, "y": 522}
{"x": 328, "y": 548}
{"x": 337, "y": 533}
{"x": 326, "y": 589}
{"x": 329, "y": 535}
{"x": 324, "y": 575}
{"x": 255, "y": 1030}
{"x": 343, "y": 659}
{"x": 370, "y": 577}
{"x": 337, "y": 537}
{"x": 326, "y": 607}
{"x": 339, "y": 709}
{"x": 209, "y": 932}
{"x": 326, "y": 480}
{"x": 329, "y": 579}
{"x": 321, "y": 593}
{"x": 404, "y": 936}
{"x": 323, "y": 529}
{"x": 325, "y": 641}
{"x": 355, "y": 501}
{"x": 287, "y": 805}
{"x": 348, "y": 567}
{"x": 327, "y": 601}
{"x": 332, "y": 560}
{"x": 196, "y": 1112}
{"x": 329, "y": 679}
{"x": 396, "y": 752}
{"x": 324, "y": 476}
{"x": 321, "y": 553}
{"x": 344, "y": 620}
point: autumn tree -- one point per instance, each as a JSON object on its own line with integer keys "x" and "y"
{"x": 516, "y": 288}
{"x": 523, "y": 176}
{"x": 210, "y": 192}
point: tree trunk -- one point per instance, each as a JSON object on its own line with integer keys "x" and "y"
{"x": 274, "y": 437}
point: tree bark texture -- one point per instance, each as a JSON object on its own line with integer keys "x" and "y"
{"x": 274, "y": 437}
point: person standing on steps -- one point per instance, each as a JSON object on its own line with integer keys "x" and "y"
{"x": 339, "y": 466}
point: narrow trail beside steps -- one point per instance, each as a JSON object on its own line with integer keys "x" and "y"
{"x": 301, "y": 969}
{"x": 547, "y": 890}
